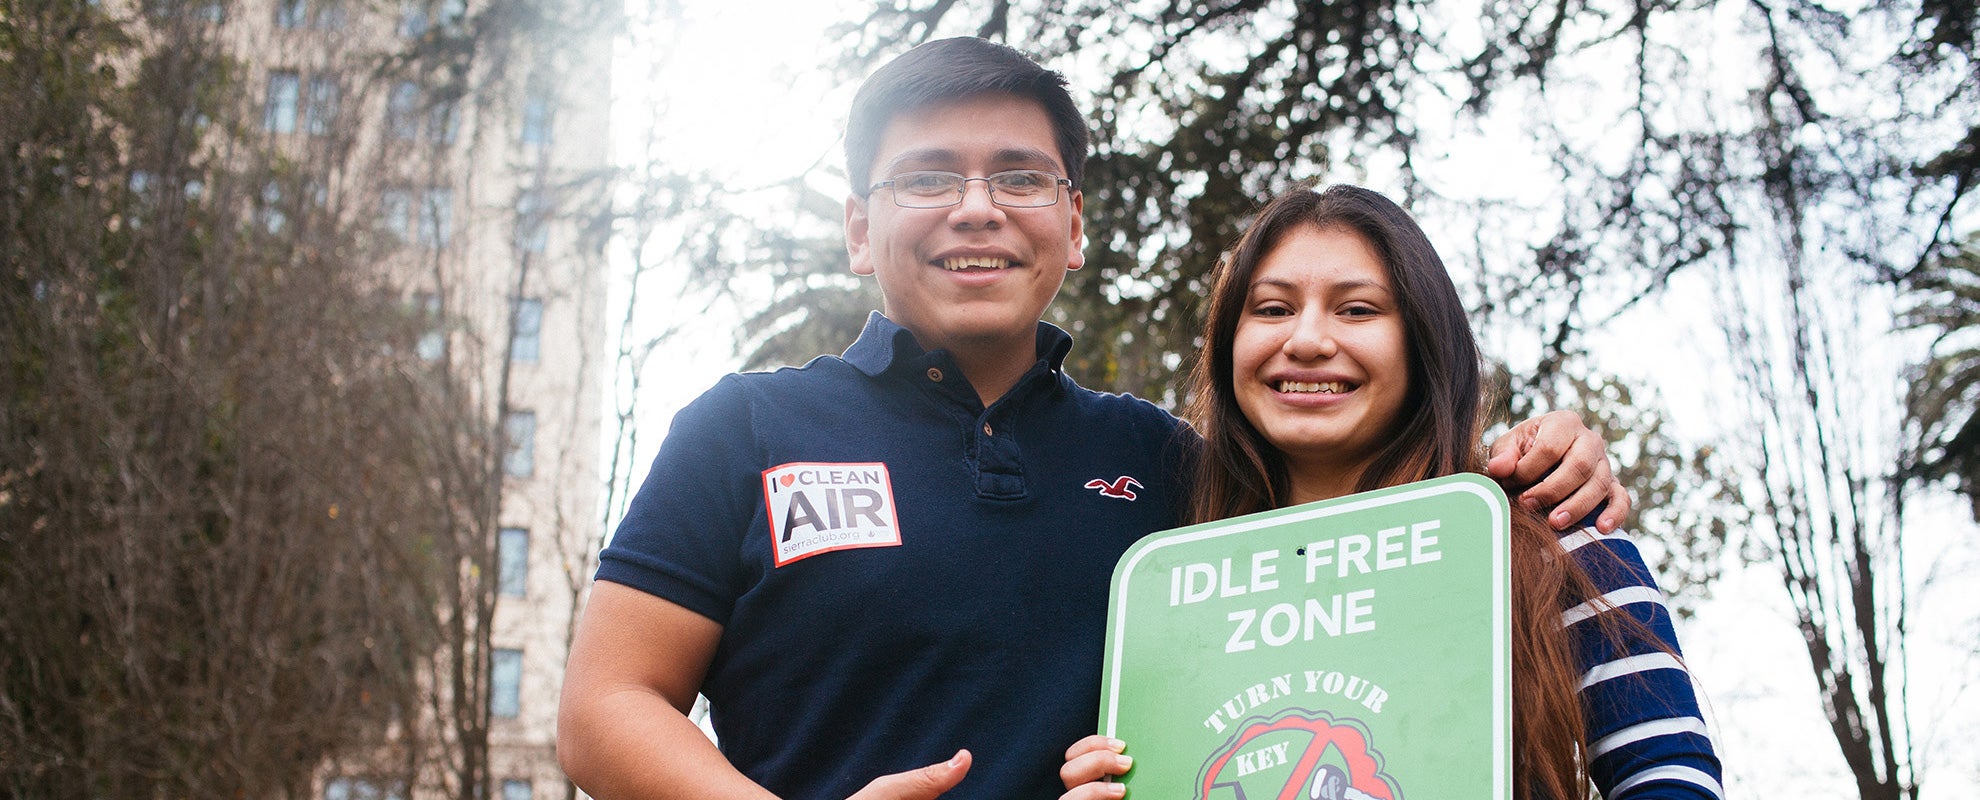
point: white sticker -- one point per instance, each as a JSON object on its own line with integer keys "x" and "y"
{"x": 819, "y": 508}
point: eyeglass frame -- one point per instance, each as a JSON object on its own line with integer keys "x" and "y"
{"x": 962, "y": 188}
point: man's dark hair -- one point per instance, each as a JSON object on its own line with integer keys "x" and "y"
{"x": 947, "y": 70}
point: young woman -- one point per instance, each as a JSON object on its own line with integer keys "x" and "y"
{"x": 1337, "y": 359}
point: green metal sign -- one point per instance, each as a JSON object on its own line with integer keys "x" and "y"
{"x": 1348, "y": 649}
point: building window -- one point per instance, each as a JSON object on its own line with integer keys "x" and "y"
{"x": 283, "y": 90}
{"x": 273, "y": 219}
{"x": 416, "y": 16}
{"x": 146, "y": 202}
{"x": 512, "y": 562}
{"x": 520, "y": 429}
{"x": 320, "y": 114}
{"x": 436, "y": 217}
{"x": 208, "y": 10}
{"x": 361, "y": 789}
{"x": 432, "y": 338}
{"x": 536, "y": 123}
{"x": 426, "y": 217}
{"x": 513, "y": 789}
{"x": 393, "y": 207}
{"x": 291, "y": 13}
{"x": 402, "y": 111}
{"x": 412, "y": 18}
{"x": 532, "y": 222}
{"x": 442, "y": 124}
{"x": 505, "y": 684}
{"x": 527, "y": 343}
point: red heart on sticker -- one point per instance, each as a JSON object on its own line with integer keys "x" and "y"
{"x": 786, "y": 480}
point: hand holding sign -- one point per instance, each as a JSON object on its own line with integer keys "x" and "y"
{"x": 1091, "y": 760}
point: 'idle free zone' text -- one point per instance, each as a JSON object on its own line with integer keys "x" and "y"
{"x": 1339, "y": 614}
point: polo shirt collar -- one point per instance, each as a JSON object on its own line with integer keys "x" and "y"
{"x": 885, "y": 345}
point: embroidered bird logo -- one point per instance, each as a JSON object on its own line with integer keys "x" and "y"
{"x": 1122, "y": 487}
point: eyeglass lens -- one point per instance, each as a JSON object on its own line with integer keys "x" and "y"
{"x": 1015, "y": 188}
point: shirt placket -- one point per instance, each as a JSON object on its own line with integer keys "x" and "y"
{"x": 991, "y": 455}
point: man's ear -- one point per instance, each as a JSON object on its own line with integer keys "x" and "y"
{"x": 858, "y": 246}
{"x": 1078, "y": 231}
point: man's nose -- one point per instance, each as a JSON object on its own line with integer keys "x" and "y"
{"x": 976, "y": 206}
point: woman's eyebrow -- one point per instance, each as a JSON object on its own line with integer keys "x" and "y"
{"x": 1363, "y": 284}
{"x": 1353, "y": 284}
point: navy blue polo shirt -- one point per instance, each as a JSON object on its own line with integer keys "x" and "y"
{"x": 899, "y": 571}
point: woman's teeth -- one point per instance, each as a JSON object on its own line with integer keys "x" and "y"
{"x": 1330, "y": 387}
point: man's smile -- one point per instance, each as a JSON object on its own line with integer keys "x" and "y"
{"x": 959, "y": 263}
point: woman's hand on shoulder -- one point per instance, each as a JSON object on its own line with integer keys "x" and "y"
{"x": 1089, "y": 763}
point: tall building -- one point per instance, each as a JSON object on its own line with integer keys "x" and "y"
{"x": 472, "y": 137}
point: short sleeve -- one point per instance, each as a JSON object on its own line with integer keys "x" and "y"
{"x": 681, "y": 537}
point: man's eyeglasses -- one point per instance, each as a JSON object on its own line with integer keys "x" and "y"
{"x": 1018, "y": 188}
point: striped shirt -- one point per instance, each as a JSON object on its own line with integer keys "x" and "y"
{"x": 1646, "y": 736}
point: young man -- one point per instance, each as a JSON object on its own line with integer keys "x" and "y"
{"x": 887, "y": 571}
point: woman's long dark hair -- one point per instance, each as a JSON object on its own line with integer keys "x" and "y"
{"x": 1435, "y": 434}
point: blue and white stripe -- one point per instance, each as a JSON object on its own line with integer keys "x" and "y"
{"x": 1648, "y": 740}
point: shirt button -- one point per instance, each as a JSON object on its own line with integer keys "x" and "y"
{"x": 934, "y": 374}
{"x": 986, "y": 429}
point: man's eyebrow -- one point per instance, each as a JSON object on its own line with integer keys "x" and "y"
{"x": 1007, "y": 158}
{"x": 921, "y": 157}
{"x": 1026, "y": 157}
